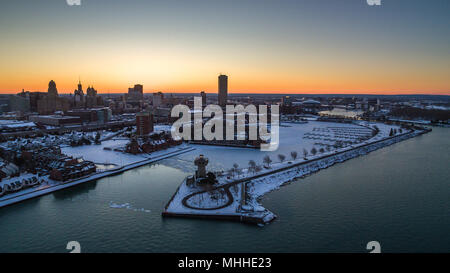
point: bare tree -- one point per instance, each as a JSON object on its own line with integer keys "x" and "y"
{"x": 236, "y": 168}
{"x": 267, "y": 160}
{"x": 313, "y": 151}
{"x": 339, "y": 144}
{"x": 294, "y": 155}
{"x": 230, "y": 172}
{"x": 305, "y": 153}
{"x": 322, "y": 150}
{"x": 251, "y": 165}
{"x": 281, "y": 157}
{"x": 258, "y": 169}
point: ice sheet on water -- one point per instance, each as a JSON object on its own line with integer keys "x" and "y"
{"x": 119, "y": 206}
{"x": 126, "y": 206}
{"x": 293, "y": 138}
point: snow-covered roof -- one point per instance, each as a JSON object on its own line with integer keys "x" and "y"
{"x": 10, "y": 169}
{"x": 311, "y": 102}
{"x": 15, "y": 124}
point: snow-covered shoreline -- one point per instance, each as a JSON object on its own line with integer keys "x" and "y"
{"x": 257, "y": 188}
{"x": 46, "y": 189}
{"x": 268, "y": 180}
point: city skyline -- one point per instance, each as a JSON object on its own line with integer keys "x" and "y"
{"x": 288, "y": 47}
{"x": 218, "y": 135}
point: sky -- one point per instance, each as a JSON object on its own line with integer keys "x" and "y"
{"x": 264, "y": 46}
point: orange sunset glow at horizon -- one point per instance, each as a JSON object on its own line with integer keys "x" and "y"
{"x": 285, "y": 47}
{"x": 236, "y": 85}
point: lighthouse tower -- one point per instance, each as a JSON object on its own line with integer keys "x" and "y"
{"x": 201, "y": 163}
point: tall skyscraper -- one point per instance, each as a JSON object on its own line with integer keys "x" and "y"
{"x": 80, "y": 87}
{"x": 51, "y": 102}
{"x": 203, "y": 95}
{"x": 139, "y": 88}
{"x": 158, "y": 98}
{"x": 52, "y": 91}
{"x": 136, "y": 92}
{"x": 223, "y": 90}
{"x": 78, "y": 97}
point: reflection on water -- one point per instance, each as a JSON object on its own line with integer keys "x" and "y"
{"x": 397, "y": 196}
{"x": 75, "y": 191}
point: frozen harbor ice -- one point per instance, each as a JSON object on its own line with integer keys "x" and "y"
{"x": 126, "y": 206}
{"x": 292, "y": 138}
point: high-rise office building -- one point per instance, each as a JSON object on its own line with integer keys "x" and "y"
{"x": 223, "y": 90}
{"x": 136, "y": 92}
{"x": 18, "y": 103}
{"x": 52, "y": 90}
{"x": 78, "y": 98}
{"x": 203, "y": 95}
{"x": 158, "y": 99}
{"x": 144, "y": 123}
{"x": 139, "y": 88}
{"x": 51, "y": 102}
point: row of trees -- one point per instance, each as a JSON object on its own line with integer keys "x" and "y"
{"x": 408, "y": 112}
{"x": 267, "y": 160}
{"x": 394, "y": 131}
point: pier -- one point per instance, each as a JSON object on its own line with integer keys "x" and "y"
{"x": 253, "y": 217}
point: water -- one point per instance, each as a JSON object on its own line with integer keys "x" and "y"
{"x": 398, "y": 196}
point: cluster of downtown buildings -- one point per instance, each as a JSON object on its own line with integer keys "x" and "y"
{"x": 89, "y": 109}
{"x": 34, "y": 125}
{"x": 31, "y": 123}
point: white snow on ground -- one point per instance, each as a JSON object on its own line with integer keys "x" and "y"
{"x": 165, "y": 128}
{"x": 58, "y": 140}
{"x": 418, "y": 121}
{"x": 291, "y": 139}
{"x": 260, "y": 186}
{"x": 205, "y": 201}
{"x": 14, "y": 179}
{"x": 51, "y": 186}
{"x": 97, "y": 153}
{"x": 16, "y": 124}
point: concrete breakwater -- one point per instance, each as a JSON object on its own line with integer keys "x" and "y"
{"x": 273, "y": 179}
{"x": 283, "y": 177}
